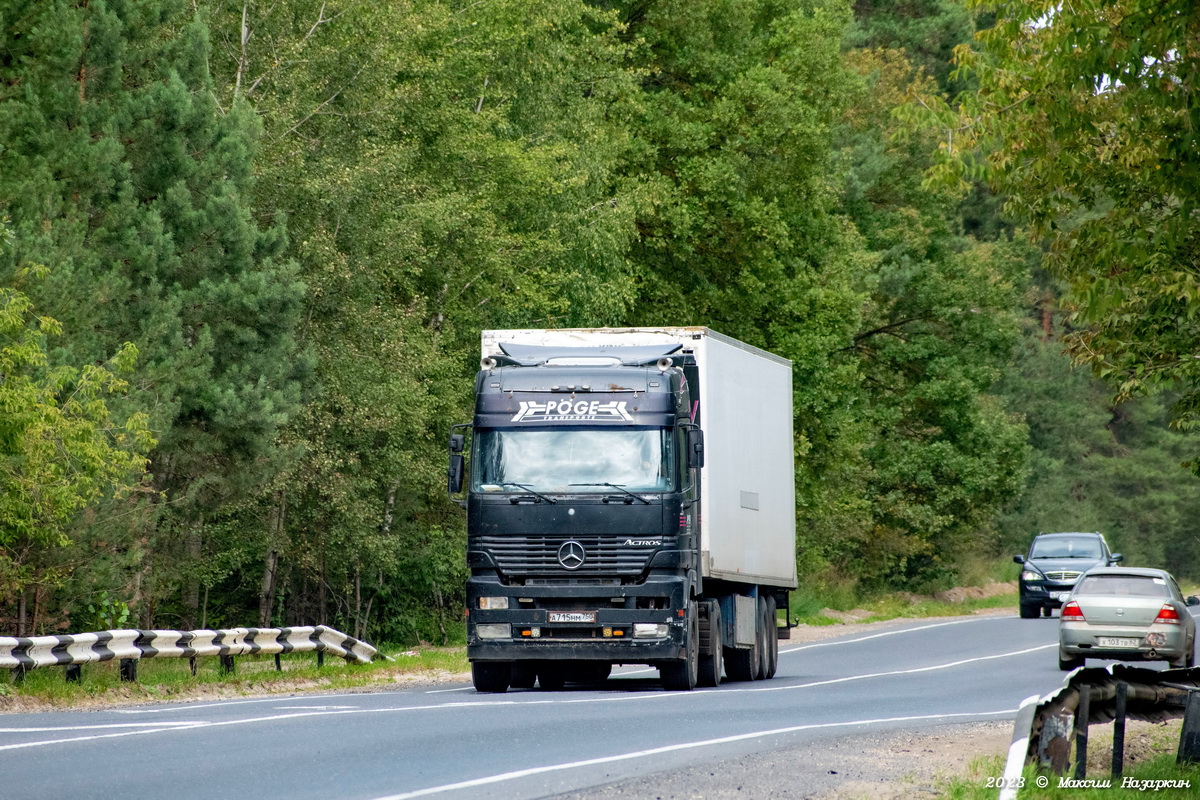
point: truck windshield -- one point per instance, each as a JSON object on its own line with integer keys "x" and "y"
{"x": 552, "y": 459}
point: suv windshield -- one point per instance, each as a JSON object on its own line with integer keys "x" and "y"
{"x": 1066, "y": 547}
{"x": 559, "y": 459}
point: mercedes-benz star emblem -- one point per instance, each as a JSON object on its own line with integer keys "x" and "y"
{"x": 572, "y": 555}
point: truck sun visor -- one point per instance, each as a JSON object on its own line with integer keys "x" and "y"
{"x": 529, "y": 355}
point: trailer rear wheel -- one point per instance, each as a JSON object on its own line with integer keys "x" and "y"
{"x": 682, "y": 675}
{"x": 772, "y": 637}
{"x": 491, "y": 676}
{"x": 764, "y": 645}
{"x": 712, "y": 663}
{"x": 741, "y": 664}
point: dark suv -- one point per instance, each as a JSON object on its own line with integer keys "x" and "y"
{"x": 1053, "y": 566}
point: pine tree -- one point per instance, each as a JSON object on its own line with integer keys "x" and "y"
{"x": 120, "y": 166}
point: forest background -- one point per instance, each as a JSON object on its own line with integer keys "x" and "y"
{"x": 246, "y": 249}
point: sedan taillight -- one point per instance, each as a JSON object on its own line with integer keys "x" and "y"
{"x": 1168, "y": 614}
{"x": 1072, "y": 612}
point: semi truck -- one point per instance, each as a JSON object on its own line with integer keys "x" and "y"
{"x": 630, "y": 499}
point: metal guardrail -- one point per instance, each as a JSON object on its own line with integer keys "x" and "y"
{"x": 21, "y": 654}
{"x": 1046, "y": 731}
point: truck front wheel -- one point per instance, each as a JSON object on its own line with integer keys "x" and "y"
{"x": 491, "y": 676}
{"x": 682, "y": 675}
{"x": 712, "y": 663}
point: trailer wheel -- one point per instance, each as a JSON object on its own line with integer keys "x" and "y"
{"x": 772, "y": 631}
{"x": 764, "y": 645}
{"x": 682, "y": 675}
{"x": 741, "y": 664}
{"x": 712, "y": 663}
{"x": 491, "y": 676}
{"x": 524, "y": 675}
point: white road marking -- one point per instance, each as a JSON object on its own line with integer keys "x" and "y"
{"x": 458, "y": 689}
{"x": 525, "y": 773}
{"x": 56, "y": 728}
{"x": 885, "y": 633}
{"x": 913, "y": 671}
{"x": 608, "y": 699}
{"x": 221, "y": 704}
{"x": 314, "y": 708}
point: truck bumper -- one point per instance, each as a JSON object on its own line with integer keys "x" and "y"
{"x": 633, "y": 624}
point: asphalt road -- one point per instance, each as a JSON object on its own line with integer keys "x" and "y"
{"x": 453, "y": 743}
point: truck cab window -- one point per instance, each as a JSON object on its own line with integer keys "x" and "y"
{"x": 560, "y": 459}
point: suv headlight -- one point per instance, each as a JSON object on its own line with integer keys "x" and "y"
{"x": 1030, "y": 575}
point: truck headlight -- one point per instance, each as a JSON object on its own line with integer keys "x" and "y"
{"x": 493, "y": 603}
{"x": 494, "y": 630}
{"x": 649, "y": 630}
{"x": 1029, "y": 575}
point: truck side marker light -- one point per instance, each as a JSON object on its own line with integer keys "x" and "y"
{"x": 618, "y": 633}
{"x": 682, "y": 611}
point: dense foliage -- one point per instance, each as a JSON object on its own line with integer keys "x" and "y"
{"x": 274, "y": 231}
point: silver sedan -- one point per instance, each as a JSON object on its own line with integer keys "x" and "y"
{"x": 1127, "y": 614}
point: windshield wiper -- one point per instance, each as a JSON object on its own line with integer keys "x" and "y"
{"x": 534, "y": 492}
{"x": 616, "y": 486}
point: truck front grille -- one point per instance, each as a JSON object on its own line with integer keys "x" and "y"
{"x": 539, "y": 555}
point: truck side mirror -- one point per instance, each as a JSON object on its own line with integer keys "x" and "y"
{"x": 695, "y": 448}
{"x": 454, "y": 472}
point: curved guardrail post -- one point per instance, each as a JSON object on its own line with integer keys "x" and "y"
{"x": 1082, "y": 712}
{"x": 1019, "y": 749}
{"x": 1118, "y": 754}
{"x": 1189, "y": 735}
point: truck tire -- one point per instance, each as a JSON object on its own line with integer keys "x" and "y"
{"x": 491, "y": 676}
{"x": 712, "y": 663}
{"x": 772, "y": 637}
{"x": 524, "y": 675}
{"x": 682, "y": 675}
{"x": 764, "y": 644}
{"x": 741, "y": 664}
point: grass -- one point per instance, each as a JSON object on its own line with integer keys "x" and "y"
{"x": 814, "y": 608}
{"x": 166, "y": 679}
{"x": 1153, "y": 760}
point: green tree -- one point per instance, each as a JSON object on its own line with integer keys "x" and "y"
{"x": 120, "y": 168}
{"x": 60, "y": 450}
{"x": 449, "y": 167}
{"x": 940, "y": 453}
{"x": 1086, "y": 118}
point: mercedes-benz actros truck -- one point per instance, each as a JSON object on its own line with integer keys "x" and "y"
{"x": 630, "y": 499}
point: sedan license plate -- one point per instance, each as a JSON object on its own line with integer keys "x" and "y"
{"x": 1107, "y": 641}
{"x": 572, "y": 616}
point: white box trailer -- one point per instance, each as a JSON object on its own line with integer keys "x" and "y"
{"x": 748, "y": 499}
